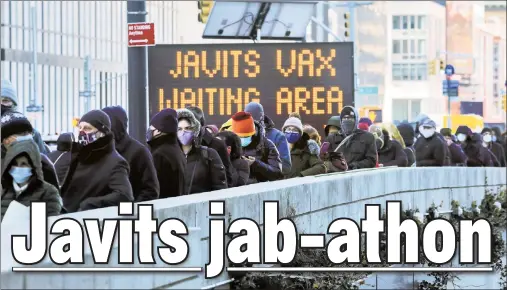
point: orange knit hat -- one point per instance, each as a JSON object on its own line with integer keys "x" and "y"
{"x": 243, "y": 124}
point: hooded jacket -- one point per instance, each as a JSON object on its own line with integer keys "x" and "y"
{"x": 97, "y": 177}
{"x": 359, "y": 147}
{"x": 408, "y": 134}
{"x": 240, "y": 168}
{"x": 334, "y": 140}
{"x": 278, "y": 138}
{"x": 500, "y": 138}
{"x": 204, "y": 170}
{"x": 267, "y": 165}
{"x": 477, "y": 155}
{"x": 304, "y": 162}
{"x": 391, "y": 154}
{"x": 37, "y": 190}
{"x": 430, "y": 151}
{"x": 142, "y": 176}
{"x": 61, "y": 157}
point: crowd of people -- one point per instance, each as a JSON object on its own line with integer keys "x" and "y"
{"x": 103, "y": 166}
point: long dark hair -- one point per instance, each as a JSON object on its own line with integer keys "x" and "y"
{"x": 232, "y": 140}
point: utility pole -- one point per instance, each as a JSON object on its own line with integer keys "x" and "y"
{"x": 32, "y": 107}
{"x": 137, "y": 76}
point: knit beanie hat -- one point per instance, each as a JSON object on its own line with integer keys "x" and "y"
{"x": 366, "y": 120}
{"x": 166, "y": 121}
{"x": 363, "y": 126}
{"x": 213, "y": 128}
{"x": 198, "y": 113}
{"x": 14, "y": 123}
{"x": 256, "y": 110}
{"x": 293, "y": 121}
{"x": 487, "y": 130}
{"x": 243, "y": 124}
{"x": 446, "y": 132}
{"x": 98, "y": 119}
{"x": 464, "y": 130}
{"x": 8, "y": 91}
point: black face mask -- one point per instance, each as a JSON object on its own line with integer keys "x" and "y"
{"x": 348, "y": 126}
{"x": 5, "y": 108}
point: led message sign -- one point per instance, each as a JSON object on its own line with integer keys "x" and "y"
{"x": 314, "y": 79}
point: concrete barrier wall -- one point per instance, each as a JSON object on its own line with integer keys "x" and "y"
{"x": 312, "y": 202}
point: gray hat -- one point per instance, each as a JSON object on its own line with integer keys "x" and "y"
{"x": 8, "y": 91}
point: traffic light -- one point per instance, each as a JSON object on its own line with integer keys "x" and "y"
{"x": 431, "y": 68}
{"x": 442, "y": 65}
{"x": 346, "y": 24}
{"x": 205, "y": 8}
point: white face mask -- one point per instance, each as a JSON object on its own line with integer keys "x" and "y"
{"x": 461, "y": 137}
{"x": 427, "y": 132}
{"x": 486, "y": 138}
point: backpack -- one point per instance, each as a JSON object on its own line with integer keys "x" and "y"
{"x": 205, "y": 155}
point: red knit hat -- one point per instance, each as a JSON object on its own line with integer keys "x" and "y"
{"x": 363, "y": 126}
{"x": 243, "y": 124}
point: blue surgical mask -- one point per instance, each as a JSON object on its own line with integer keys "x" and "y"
{"x": 24, "y": 138}
{"x": 246, "y": 141}
{"x": 20, "y": 174}
{"x": 493, "y": 138}
{"x": 292, "y": 137}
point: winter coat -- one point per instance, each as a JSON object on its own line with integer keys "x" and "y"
{"x": 500, "y": 139}
{"x": 97, "y": 177}
{"x": 48, "y": 169}
{"x": 278, "y": 138}
{"x": 207, "y": 139}
{"x": 240, "y": 168}
{"x": 304, "y": 162}
{"x": 478, "y": 155}
{"x": 62, "y": 156}
{"x": 498, "y": 151}
{"x": 407, "y": 132}
{"x": 169, "y": 162}
{"x": 335, "y": 139}
{"x": 241, "y": 172}
{"x": 142, "y": 176}
{"x": 204, "y": 171}
{"x": 391, "y": 154}
{"x": 267, "y": 165}
{"x": 37, "y": 190}
{"x": 458, "y": 157}
{"x": 430, "y": 151}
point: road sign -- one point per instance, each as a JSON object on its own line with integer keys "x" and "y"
{"x": 368, "y": 90}
{"x": 141, "y": 34}
{"x": 449, "y": 70}
{"x": 450, "y": 84}
{"x": 453, "y": 92}
{"x": 375, "y": 116}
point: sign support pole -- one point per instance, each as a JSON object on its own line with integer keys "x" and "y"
{"x": 449, "y": 103}
{"x": 137, "y": 79}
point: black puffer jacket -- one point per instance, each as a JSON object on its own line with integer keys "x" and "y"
{"x": 206, "y": 139}
{"x": 407, "y": 132}
{"x": 204, "y": 170}
{"x": 478, "y": 155}
{"x": 240, "y": 168}
{"x": 143, "y": 176}
{"x": 391, "y": 154}
{"x": 62, "y": 156}
{"x": 430, "y": 151}
{"x": 37, "y": 190}
{"x": 98, "y": 177}
{"x": 336, "y": 138}
{"x": 267, "y": 165}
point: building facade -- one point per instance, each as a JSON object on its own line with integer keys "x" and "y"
{"x": 416, "y": 43}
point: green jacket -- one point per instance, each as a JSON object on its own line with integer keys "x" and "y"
{"x": 37, "y": 190}
{"x": 304, "y": 163}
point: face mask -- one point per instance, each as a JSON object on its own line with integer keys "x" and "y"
{"x": 149, "y": 135}
{"x": 348, "y": 126}
{"x": 5, "y": 109}
{"x": 292, "y": 137}
{"x": 379, "y": 143}
{"x": 20, "y": 174}
{"x": 486, "y": 138}
{"x": 461, "y": 137}
{"x": 24, "y": 138}
{"x": 246, "y": 141}
{"x": 493, "y": 138}
{"x": 86, "y": 138}
{"x": 185, "y": 137}
{"x": 428, "y": 132}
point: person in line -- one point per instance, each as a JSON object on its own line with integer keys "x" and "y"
{"x": 494, "y": 147}
{"x": 458, "y": 157}
{"x": 358, "y": 147}
{"x": 15, "y": 128}
{"x": 168, "y": 159}
{"x": 260, "y": 152}
{"x": 98, "y": 176}
{"x": 493, "y": 161}
{"x": 477, "y": 154}
{"x": 61, "y": 157}
{"x": 240, "y": 167}
{"x": 333, "y": 161}
{"x": 23, "y": 181}
{"x": 143, "y": 176}
{"x": 10, "y": 103}
{"x": 207, "y": 139}
{"x": 304, "y": 162}
{"x": 333, "y": 132}
{"x": 500, "y": 138}
{"x": 313, "y": 133}
{"x": 429, "y": 148}
{"x": 407, "y": 132}
{"x": 204, "y": 170}
{"x": 390, "y": 151}
{"x": 364, "y": 124}
{"x": 271, "y": 133}
{"x": 212, "y": 129}
{"x": 313, "y": 146}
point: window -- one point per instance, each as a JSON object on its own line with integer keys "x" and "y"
{"x": 412, "y": 22}
{"x": 412, "y": 48}
{"x": 405, "y": 72}
{"x": 396, "y": 72}
{"x": 421, "y": 48}
{"x": 406, "y": 110}
{"x": 421, "y": 22}
{"x": 396, "y": 22}
{"x": 405, "y": 22}
{"x": 396, "y": 46}
{"x": 421, "y": 71}
{"x": 409, "y": 72}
